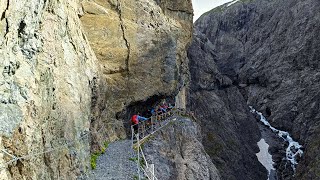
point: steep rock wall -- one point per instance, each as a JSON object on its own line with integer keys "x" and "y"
{"x": 141, "y": 48}
{"x": 270, "y": 51}
{"x": 46, "y": 69}
{"x": 228, "y": 129}
{"x": 68, "y": 68}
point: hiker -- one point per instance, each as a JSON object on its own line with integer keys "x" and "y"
{"x": 152, "y": 111}
{"x": 161, "y": 109}
{"x": 135, "y": 119}
{"x": 159, "y": 112}
{"x": 170, "y": 106}
{"x": 164, "y": 107}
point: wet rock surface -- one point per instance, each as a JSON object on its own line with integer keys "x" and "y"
{"x": 269, "y": 50}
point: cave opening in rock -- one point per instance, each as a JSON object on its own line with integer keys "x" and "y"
{"x": 142, "y": 107}
{"x": 268, "y": 111}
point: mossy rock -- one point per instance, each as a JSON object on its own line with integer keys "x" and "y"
{"x": 216, "y": 148}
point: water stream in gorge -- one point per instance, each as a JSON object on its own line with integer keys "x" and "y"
{"x": 293, "y": 150}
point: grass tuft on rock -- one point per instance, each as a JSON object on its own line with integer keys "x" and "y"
{"x": 105, "y": 146}
{"x": 93, "y": 160}
{"x": 94, "y": 156}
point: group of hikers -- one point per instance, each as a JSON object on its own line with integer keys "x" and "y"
{"x": 159, "y": 109}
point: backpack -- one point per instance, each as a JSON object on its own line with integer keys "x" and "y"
{"x": 134, "y": 119}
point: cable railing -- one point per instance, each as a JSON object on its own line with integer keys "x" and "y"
{"x": 143, "y": 165}
{"x": 146, "y": 128}
{"x": 34, "y": 155}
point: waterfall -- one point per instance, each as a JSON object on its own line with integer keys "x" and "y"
{"x": 294, "y": 148}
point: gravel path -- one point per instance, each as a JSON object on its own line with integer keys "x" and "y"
{"x": 115, "y": 164}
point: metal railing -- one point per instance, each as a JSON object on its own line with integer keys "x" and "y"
{"x": 15, "y": 158}
{"x": 144, "y": 166}
{"x": 143, "y": 129}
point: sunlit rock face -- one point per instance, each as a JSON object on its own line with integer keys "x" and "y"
{"x": 68, "y": 67}
{"x": 141, "y": 50}
{"x": 270, "y": 51}
{"x": 46, "y": 70}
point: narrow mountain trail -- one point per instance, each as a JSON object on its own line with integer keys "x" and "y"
{"x": 115, "y": 163}
{"x": 119, "y": 162}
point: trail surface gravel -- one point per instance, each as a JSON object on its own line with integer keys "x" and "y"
{"x": 115, "y": 163}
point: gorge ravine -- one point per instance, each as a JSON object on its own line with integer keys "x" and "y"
{"x": 265, "y": 54}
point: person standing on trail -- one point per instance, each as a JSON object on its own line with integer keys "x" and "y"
{"x": 153, "y": 111}
{"x": 135, "y": 119}
{"x": 160, "y": 110}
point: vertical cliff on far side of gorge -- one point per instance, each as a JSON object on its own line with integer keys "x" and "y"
{"x": 70, "y": 70}
{"x": 263, "y": 53}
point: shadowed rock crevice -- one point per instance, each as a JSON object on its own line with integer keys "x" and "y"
{"x": 122, "y": 26}
{"x": 178, "y": 10}
{"x": 4, "y": 12}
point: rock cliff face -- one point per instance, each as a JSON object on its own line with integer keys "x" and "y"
{"x": 229, "y": 130}
{"x": 69, "y": 67}
{"x": 178, "y": 153}
{"x": 141, "y": 49}
{"x": 269, "y": 50}
{"x": 47, "y": 67}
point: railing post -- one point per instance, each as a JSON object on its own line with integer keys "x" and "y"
{"x": 132, "y": 134}
{"x": 151, "y": 123}
{"x": 143, "y": 128}
{"x": 138, "y": 125}
{"x": 138, "y": 162}
{"x": 152, "y": 171}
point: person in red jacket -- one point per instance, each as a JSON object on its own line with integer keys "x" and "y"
{"x": 135, "y": 119}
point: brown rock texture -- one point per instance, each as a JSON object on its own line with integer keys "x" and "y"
{"x": 140, "y": 46}
{"x": 69, "y": 67}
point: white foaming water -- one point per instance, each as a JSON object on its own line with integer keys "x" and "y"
{"x": 264, "y": 157}
{"x": 294, "y": 148}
